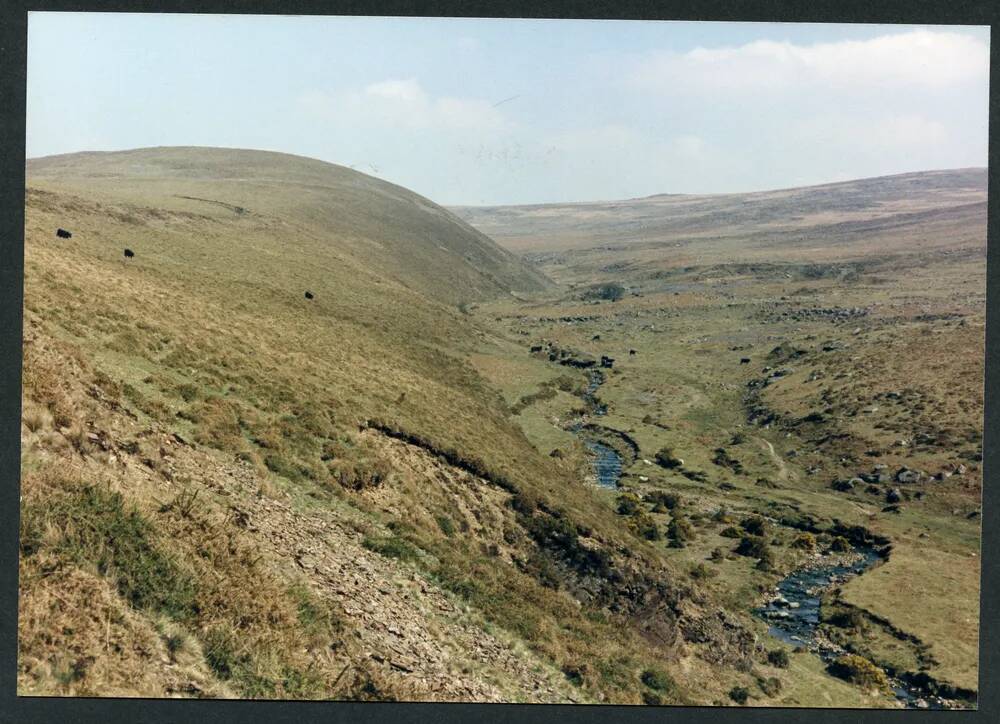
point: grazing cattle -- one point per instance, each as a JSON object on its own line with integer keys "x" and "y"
{"x": 632, "y": 352}
{"x": 744, "y": 360}
{"x": 595, "y": 337}
{"x": 309, "y": 295}
{"x": 536, "y": 348}
{"x": 607, "y": 362}
{"x": 63, "y": 234}
{"x": 129, "y": 253}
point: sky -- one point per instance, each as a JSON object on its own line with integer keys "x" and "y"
{"x": 470, "y": 111}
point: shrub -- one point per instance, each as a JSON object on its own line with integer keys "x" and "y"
{"x": 859, "y": 670}
{"x": 665, "y": 458}
{"x": 628, "y": 504}
{"x": 723, "y": 459}
{"x": 644, "y": 525}
{"x": 664, "y": 499}
{"x": 524, "y": 503}
{"x": 657, "y": 680}
{"x": 766, "y": 562}
{"x": 752, "y": 546}
{"x": 778, "y": 658}
{"x": 840, "y": 544}
{"x": 731, "y": 532}
{"x": 805, "y": 541}
{"x": 541, "y": 568}
{"x": 561, "y": 537}
{"x": 754, "y": 525}
{"x": 739, "y": 694}
{"x": 612, "y": 291}
{"x": 771, "y": 686}
{"x": 575, "y": 673}
{"x": 700, "y": 572}
{"x": 680, "y": 532}
{"x": 722, "y": 516}
{"x": 849, "y": 619}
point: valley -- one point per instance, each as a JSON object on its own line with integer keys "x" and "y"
{"x": 563, "y": 453}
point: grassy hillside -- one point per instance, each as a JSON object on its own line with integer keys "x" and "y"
{"x": 318, "y": 219}
{"x": 232, "y": 490}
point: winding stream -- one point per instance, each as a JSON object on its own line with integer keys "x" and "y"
{"x": 607, "y": 460}
{"x": 793, "y": 616}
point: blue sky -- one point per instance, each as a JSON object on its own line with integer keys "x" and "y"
{"x": 471, "y": 111}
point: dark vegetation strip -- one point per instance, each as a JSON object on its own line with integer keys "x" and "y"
{"x": 449, "y": 455}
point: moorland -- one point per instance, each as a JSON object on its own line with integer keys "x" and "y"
{"x": 319, "y": 437}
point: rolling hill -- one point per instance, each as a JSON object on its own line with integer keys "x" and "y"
{"x": 829, "y": 219}
{"x": 313, "y": 215}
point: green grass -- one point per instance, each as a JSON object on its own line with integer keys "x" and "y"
{"x": 96, "y": 528}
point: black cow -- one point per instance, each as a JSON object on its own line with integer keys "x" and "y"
{"x": 63, "y": 234}
{"x": 129, "y": 253}
{"x": 744, "y": 360}
{"x": 632, "y": 352}
{"x": 309, "y": 295}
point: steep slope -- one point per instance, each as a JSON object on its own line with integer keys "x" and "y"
{"x": 319, "y": 214}
{"x": 245, "y": 484}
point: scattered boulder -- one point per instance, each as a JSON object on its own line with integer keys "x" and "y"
{"x": 905, "y": 475}
{"x": 63, "y": 234}
{"x": 309, "y": 295}
{"x": 894, "y": 496}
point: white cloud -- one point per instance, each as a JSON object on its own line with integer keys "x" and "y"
{"x": 920, "y": 58}
{"x": 407, "y": 91}
{"x": 403, "y": 104}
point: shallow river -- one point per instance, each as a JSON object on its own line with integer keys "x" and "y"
{"x": 794, "y": 617}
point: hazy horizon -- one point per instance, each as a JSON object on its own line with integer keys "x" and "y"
{"x": 542, "y": 203}
{"x": 496, "y": 112}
